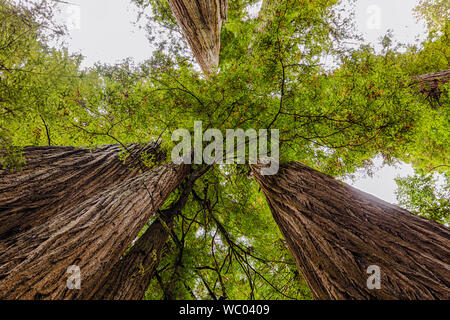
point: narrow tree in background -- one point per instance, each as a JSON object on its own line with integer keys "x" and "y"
{"x": 201, "y": 22}
{"x": 131, "y": 275}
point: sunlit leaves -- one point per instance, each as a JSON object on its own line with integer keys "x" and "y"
{"x": 423, "y": 195}
{"x": 274, "y": 73}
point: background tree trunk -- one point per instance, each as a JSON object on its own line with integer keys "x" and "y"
{"x": 92, "y": 236}
{"x": 335, "y": 232}
{"x": 131, "y": 275}
{"x": 433, "y": 79}
{"x": 57, "y": 178}
{"x": 430, "y": 83}
{"x": 201, "y": 22}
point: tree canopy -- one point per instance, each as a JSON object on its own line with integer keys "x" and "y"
{"x": 297, "y": 66}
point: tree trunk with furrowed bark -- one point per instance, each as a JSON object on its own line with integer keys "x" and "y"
{"x": 131, "y": 275}
{"x": 92, "y": 236}
{"x": 56, "y": 178}
{"x": 433, "y": 79}
{"x": 335, "y": 232}
{"x": 201, "y": 22}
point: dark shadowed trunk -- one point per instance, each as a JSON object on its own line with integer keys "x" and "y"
{"x": 430, "y": 83}
{"x": 335, "y": 232}
{"x": 433, "y": 79}
{"x": 132, "y": 274}
{"x": 91, "y": 236}
{"x": 57, "y": 178}
{"x": 201, "y": 22}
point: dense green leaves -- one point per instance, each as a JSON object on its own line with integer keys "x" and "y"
{"x": 423, "y": 195}
{"x": 217, "y": 252}
{"x": 289, "y": 68}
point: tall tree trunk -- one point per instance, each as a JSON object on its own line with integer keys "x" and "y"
{"x": 201, "y": 22}
{"x": 57, "y": 178}
{"x": 335, "y": 232}
{"x": 131, "y": 275}
{"x": 433, "y": 79}
{"x": 91, "y": 236}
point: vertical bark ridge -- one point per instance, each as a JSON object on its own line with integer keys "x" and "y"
{"x": 55, "y": 178}
{"x": 201, "y": 22}
{"x": 132, "y": 274}
{"x": 92, "y": 236}
{"x": 335, "y": 232}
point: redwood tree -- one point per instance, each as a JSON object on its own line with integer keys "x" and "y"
{"x": 92, "y": 236}
{"x": 332, "y": 118}
{"x": 130, "y": 277}
{"x": 335, "y": 232}
{"x": 201, "y": 23}
{"x": 56, "y": 178}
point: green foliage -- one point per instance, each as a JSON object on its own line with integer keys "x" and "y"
{"x": 218, "y": 247}
{"x": 428, "y": 146}
{"x": 422, "y": 195}
{"x": 273, "y": 75}
{"x": 35, "y": 79}
{"x": 436, "y": 13}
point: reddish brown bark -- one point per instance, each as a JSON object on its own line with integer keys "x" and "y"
{"x": 56, "y": 178}
{"x": 430, "y": 83}
{"x": 92, "y": 236}
{"x": 335, "y": 232}
{"x": 132, "y": 274}
{"x": 201, "y": 22}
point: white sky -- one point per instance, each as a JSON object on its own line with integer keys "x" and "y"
{"x": 103, "y": 30}
{"x": 375, "y": 17}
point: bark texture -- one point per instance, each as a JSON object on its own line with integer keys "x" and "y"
{"x": 433, "y": 79}
{"x": 335, "y": 232}
{"x": 56, "y": 178}
{"x": 92, "y": 236}
{"x": 201, "y": 22}
{"x": 131, "y": 275}
{"x": 429, "y": 83}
